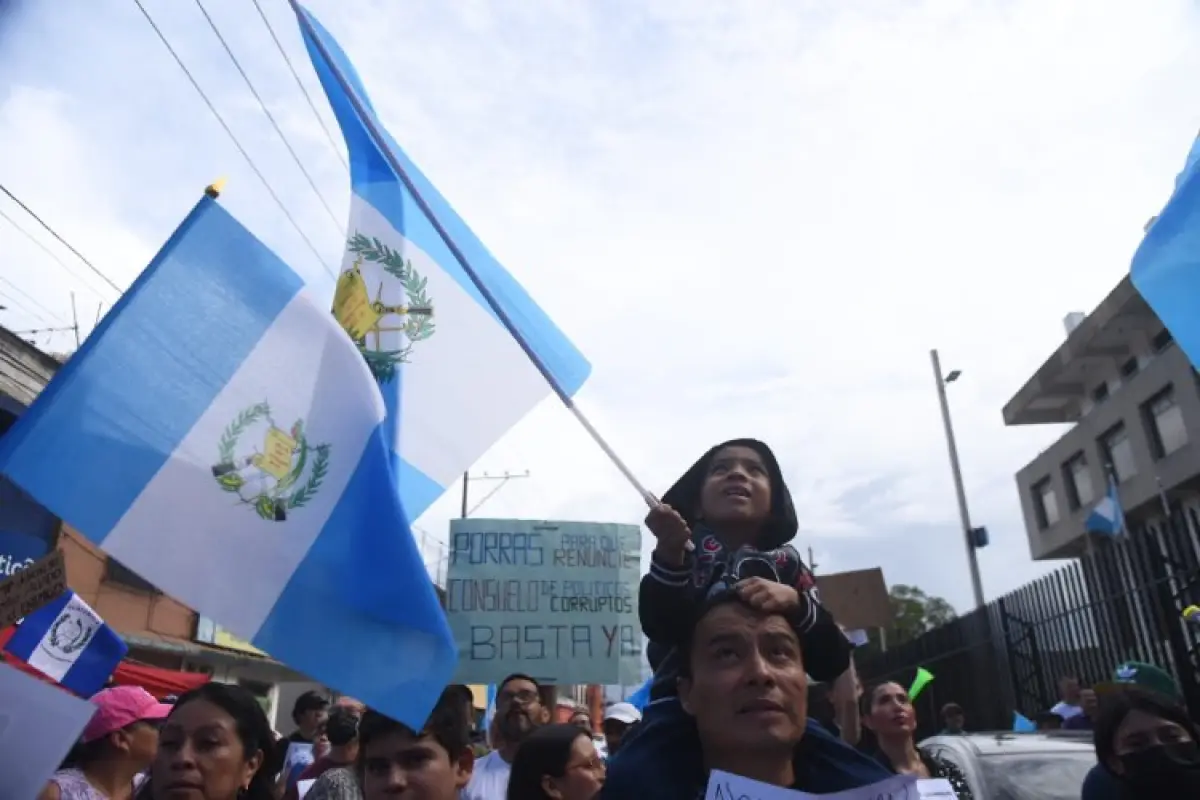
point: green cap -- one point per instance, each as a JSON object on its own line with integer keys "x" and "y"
{"x": 1145, "y": 676}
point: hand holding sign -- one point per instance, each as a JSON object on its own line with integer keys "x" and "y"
{"x": 725, "y": 786}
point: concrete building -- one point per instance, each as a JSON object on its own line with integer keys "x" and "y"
{"x": 1132, "y": 401}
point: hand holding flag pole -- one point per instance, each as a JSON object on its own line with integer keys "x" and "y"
{"x": 381, "y": 142}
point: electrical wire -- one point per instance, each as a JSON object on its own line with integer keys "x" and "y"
{"x": 13, "y": 287}
{"x": 307, "y": 97}
{"x": 229, "y": 132}
{"x": 337, "y": 224}
{"x": 61, "y": 240}
{"x": 4, "y": 215}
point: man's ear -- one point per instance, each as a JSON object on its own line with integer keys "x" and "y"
{"x": 545, "y": 716}
{"x": 683, "y": 687}
{"x": 464, "y": 765}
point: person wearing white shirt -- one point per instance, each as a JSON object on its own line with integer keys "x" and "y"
{"x": 519, "y": 711}
{"x": 1069, "y": 703}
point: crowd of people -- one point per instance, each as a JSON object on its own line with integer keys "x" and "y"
{"x": 736, "y": 632}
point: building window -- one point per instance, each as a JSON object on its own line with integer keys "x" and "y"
{"x": 1078, "y": 481}
{"x": 1100, "y": 393}
{"x": 1118, "y": 452}
{"x": 1164, "y": 420}
{"x": 116, "y": 572}
{"x": 1129, "y": 368}
{"x": 1045, "y": 504}
{"x": 1162, "y": 340}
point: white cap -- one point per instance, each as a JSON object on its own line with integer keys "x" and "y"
{"x": 623, "y": 712}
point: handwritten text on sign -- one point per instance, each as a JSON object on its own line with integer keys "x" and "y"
{"x": 555, "y": 600}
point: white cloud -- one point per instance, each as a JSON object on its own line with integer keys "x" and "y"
{"x": 755, "y": 218}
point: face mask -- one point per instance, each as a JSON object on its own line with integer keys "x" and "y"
{"x": 1165, "y": 768}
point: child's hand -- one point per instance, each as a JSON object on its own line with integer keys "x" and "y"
{"x": 671, "y": 531}
{"x": 768, "y": 596}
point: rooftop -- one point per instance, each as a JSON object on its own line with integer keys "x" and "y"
{"x": 1056, "y": 392}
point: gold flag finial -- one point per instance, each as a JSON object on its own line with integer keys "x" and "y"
{"x": 214, "y": 189}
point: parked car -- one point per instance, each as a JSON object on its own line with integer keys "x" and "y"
{"x": 1019, "y": 766}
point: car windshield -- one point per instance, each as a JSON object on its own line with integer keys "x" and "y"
{"x": 1027, "y": 776}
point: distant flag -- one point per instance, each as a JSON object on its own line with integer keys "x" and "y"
{"x": 641, "y": 698}
{"x": 489, "y": 713}
{"x": 453, "y": 378}
{"x": 1107, "y": 517}
{"x": 67, "y": 641}
{"x": 1166, "y": 266}
{"x": 220, "y": 435}
{"x": 1023, "y": 724}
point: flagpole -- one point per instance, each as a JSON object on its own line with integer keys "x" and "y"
{"x": 381, "y": 143}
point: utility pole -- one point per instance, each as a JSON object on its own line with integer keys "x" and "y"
{"x": 75, "y": 320}
{"x": 467, "y": 509}
{"x": 812, "y": 564}
{"x": 968, "y": 539}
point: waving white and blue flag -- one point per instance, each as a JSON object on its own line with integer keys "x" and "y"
{"x": 453, "y": 377}
{"x": 220, "y": 435}
{"x": 67, "y": 641}
{"x": 1107, "y": 517}
{"x": 1166, "y": 266}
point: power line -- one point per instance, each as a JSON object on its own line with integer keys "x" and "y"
{"x": 61, "y": 240}
{"x": 13, "y": 287}
{"x": 44, "y": 249}
{"x": 229, "y": 131}
{"x": 270, "y": 117}
{"x": 307, "y": 97}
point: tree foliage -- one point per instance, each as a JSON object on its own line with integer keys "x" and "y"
{"x": 914, "y": 613}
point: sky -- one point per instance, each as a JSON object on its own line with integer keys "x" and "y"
{"x": 754, "y": 218}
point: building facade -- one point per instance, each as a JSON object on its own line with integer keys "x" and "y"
{"x": 1132, "y": 401}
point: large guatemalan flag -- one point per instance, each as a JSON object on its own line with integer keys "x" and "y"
{"x": 219, "y": 434}
{"x": 453, "y": 378}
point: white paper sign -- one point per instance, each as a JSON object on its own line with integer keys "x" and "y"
{"x": 302, "y": 787}
{"x": 725, "y": 786}
{"x": 38, "y": 725}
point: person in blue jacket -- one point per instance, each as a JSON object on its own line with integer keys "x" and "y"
{"x": 742, "y": 689}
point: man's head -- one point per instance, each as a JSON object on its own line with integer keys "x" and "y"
{"x": 953, "y": 717}
{"x": 519, "y": 708}
{"x": 618, "y": 719}
{"x": 737, "y": 489}
{"x": 743, "y": 680}
{"x": 1144, "y": 676}
{"x": 341, "y": 729}
{"x": 1089, "y": 702}
{"x": 1068, "y": 689}
{"x": 309, "y": 713}
{"x": 432, "y": 764}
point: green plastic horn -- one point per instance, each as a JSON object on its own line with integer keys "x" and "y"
{"x": 919, "y": 683}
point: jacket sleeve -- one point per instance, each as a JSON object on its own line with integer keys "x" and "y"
{"x": 826, "y": 648}
{"x": 665, "y": 598}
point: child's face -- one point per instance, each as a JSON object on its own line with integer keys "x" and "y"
{"x": 737, "y": 488}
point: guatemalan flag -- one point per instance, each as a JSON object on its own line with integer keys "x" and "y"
{"x": 1107, "y": 517}
{"x": 1166, "y": 266}
{"x": 67, "y": 641}
{"x": 220, "y": 435}
{"x": 453, "y": 378}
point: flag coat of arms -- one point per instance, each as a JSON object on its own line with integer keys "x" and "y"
{"x": 67, "y": 641}
{"x": 452, "y": 375}
{"x": 221, "y": 436}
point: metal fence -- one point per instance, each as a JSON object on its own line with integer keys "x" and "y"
{"x": 1123, "y": 602}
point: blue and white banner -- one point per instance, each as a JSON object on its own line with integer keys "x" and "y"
{"x": 26, "y": 529}
{"x": 67, "y": 641}
{"x": 453, "y": 378}
{"x": 219, "y": 435}
{"x": 1107, "y": 517}
{"x": 1166, "y": 266}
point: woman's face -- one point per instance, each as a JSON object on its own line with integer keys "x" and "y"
{"x": 1142, "y": 730}
{"x": 201, "y": 756}
{"x": 584, "y": 774}
{"x": 582, "y": 721}
{"x": 891, "y": 711}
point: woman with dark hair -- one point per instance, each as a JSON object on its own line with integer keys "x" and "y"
{"x": 1147, "y": 741}
{"x": 887, "y": 711}
{"x": 556, "y": 762}
{"x": 213, "y": 745}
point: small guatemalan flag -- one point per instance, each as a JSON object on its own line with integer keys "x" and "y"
{"x": 67, "y": 641}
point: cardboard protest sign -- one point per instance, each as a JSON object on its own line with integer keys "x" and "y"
{"x": 33, "y": 587}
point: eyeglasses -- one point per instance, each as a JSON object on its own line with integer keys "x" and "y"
{"x": 594, "y": 764}
{"x": 523, "y": 697}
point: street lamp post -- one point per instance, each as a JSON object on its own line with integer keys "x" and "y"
{"x": 941, "y": 379}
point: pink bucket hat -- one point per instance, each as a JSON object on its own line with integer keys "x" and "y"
{"x": 121, "y": 706}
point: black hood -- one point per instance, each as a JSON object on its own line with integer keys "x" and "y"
{"x": 781, "y": 524}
